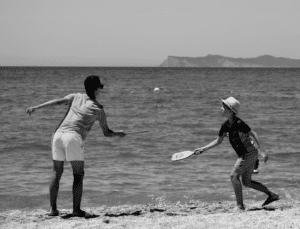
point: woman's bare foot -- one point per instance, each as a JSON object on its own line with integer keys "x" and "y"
{"x": 53, "y": 213}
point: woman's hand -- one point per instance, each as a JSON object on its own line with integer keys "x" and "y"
{"x": 30, "y": 110}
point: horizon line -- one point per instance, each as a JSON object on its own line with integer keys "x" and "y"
{"x": 70, "y": 66}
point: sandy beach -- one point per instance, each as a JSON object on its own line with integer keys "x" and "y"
{"x": 280, "y": 214}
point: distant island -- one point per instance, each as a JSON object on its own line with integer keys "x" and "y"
{"x": 217, "y": 61}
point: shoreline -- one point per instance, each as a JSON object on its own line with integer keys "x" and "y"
{"x": 220, "y": 214}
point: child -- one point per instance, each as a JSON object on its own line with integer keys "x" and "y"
{"x": 68, "y": 139}
{"x": 239, "y": 137}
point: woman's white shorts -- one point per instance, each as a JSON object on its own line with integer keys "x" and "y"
{"x": 67, "y": 146}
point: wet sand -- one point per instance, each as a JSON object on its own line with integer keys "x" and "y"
{"x": 280, "y": 214}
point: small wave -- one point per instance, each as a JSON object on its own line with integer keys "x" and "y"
{"x": 12, "y": 202}
{"x": 30, "y": 147}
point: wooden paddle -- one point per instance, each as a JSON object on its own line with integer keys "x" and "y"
{"x": 182, "y": 155}
{"x": 137, "y": 132}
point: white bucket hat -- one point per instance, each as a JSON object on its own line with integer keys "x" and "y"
{"x": 233, "y": 104}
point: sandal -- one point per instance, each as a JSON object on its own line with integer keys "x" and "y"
{"x": 273, "y": 197}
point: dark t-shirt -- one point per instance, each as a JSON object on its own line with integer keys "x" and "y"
{"x": 239, "y": 137}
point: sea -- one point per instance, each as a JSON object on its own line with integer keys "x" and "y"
{"x": 184, "y": 114}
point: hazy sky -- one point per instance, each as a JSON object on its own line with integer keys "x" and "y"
{"x": 144, "y": 33}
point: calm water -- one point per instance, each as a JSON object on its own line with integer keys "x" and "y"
{"x": 183, "y": 115}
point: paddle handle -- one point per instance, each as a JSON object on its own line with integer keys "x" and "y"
{"x": 137, "y": 132}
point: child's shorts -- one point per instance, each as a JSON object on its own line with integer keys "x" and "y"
{"x": 67, "y": 146}
{"x": 246, "y": 163}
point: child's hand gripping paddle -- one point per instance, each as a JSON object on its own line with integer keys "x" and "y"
{"x": 185, "y": 154}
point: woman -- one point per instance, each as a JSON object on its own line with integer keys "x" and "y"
{"x": 68, "y": 139}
